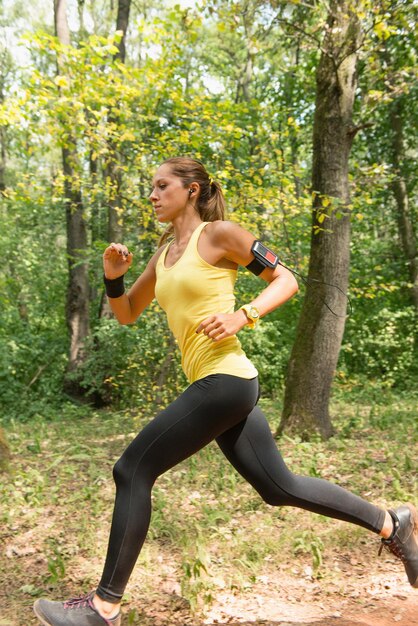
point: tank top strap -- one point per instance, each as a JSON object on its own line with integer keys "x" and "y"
{"x": 191, "y": 249}
{"x": 196, "y": 233}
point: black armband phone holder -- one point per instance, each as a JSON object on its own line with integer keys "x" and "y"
{"x": 263, "y": 257}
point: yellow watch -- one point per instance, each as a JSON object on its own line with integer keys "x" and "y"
{"x": 252, "y": 313}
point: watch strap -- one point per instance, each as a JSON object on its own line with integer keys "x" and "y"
{"x": 252, "y": 321}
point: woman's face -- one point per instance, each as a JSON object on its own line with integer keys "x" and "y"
{"x": 168, "y": 196}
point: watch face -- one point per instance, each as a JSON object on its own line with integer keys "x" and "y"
{"x": 252, "y": 314}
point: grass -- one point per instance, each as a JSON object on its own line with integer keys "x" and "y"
{"x": 209, "y": 530}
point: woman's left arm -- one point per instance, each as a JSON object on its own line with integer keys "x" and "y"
{"x": 234, "y": 243}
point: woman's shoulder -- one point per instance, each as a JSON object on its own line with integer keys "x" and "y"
{"x": 220, "y": 230}
{"x": 231, "y": 239}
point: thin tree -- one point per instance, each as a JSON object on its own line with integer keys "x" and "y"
{"x": 4, "y": 68}
{"x": 400, "y": 191}
{"x": 113, "y": 168}
{"x": 77, "y": 306}
{"x": 319, "y": 334}
{"x": 5, "y": 71}
{"x": 114, "y": 165}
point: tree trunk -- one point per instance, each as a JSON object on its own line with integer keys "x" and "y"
{"x": 77, "y": 309}
{"x": 318, "y": 339}
{"x": 164, "y": 371}
{"x": 78, "y": 290}
{"x": 61, "y": 23}
{"x": 406, "y": 227}
{"x": 3, "y": 73}
{"x": 113, "y": 170}
{"x": 122, "y": 23}
{"x": 114, "y": 215}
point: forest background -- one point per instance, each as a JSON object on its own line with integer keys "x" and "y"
{"x": 84, "y": 123}
{"x": 306, "y": 113}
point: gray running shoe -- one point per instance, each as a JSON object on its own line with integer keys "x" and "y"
{"x": 76, "y": 612}
{"x": 404, "y": 540}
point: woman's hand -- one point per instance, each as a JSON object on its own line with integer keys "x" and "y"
{"x": 116, "y": 260}
{"x": 223, "y": 325}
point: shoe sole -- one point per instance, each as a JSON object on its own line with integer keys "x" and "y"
{"x": 39, "y": 616}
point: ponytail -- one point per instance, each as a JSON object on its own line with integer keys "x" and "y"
{"x": 214, "y": 207}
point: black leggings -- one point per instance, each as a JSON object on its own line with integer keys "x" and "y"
{"x": 220, "y": 407}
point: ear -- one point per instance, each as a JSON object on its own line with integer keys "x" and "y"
{"x": 194, "y": 189}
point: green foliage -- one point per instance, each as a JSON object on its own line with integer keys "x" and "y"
{"x": 33, "y": 343}
{"x": 56, "y": 565}
{"x": 269, "y": 350}
{"x": 196, "y": 584}
{"x": 308, "y": 543}
{"x": 384, "y": 347}
{"x": 124, "y": 364}
{"x": 231, "y": 84}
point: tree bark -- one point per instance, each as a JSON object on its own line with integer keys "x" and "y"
{"x": 78, "y": 290}
{"x": 61, "y": 23}
{"x": 77, "y": 306}
{"x": 400, "y": 191}
{"x": 3, "y": 155}
{"x": 164, "y": 371}
{"x": 122, "y": 23}
{"x": 319, "y": 334}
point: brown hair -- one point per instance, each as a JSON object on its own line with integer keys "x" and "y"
{"x": 210, "y": 203}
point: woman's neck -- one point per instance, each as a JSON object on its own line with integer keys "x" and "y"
{"x": 184, "y": 226}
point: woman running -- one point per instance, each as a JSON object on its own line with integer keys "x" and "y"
{"x": 192, "y": 275}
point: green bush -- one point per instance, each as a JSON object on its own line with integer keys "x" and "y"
{"x": 383, "y": 346}
{"x": 132, "y": 365}
{"x": 268, "y": 349}
{"x": 32, "y": 366}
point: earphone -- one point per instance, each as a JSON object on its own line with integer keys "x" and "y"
{"x": 190, "y": 191}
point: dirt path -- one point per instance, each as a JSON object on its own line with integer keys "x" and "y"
{"x": 364, "y": 600}
{"x": 378, "y": 613}
{"x": 356, "y": 589}
{"x": 389, "y": 612}
{"x": 377, "y": 597}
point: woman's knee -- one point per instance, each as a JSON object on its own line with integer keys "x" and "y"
{"x": 128, "y": 470}
{"x": 282, "y": 494}
{"x": 122, "y": 471}
{"x": 273, "y": 497}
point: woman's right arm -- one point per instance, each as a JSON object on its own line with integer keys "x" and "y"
{"x": 128, "y": 307}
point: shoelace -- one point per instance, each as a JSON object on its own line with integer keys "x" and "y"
{"x": 82, "y": 603}
{"x": 78, "y": 603}
{"x": 394, "y": 548}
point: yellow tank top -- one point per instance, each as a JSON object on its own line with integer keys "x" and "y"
{"x": 189, "y": 291}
